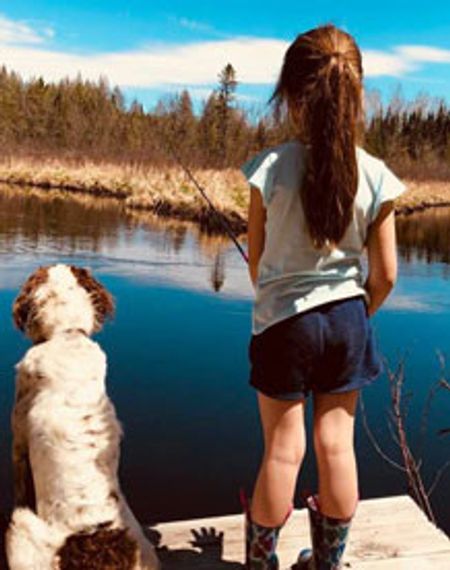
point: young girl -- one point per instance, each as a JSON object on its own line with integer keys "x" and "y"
{"x": 316, "y": 202}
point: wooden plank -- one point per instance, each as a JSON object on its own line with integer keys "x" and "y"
{"x": 434, "y": 561}
{"x": 389, "y": 533}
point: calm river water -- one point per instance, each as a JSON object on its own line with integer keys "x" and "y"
{"x": 177, "y": 352}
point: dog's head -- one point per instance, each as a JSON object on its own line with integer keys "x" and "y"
{"x": 61, "y": 297}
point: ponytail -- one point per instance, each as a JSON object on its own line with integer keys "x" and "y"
{"x": 321, "y": 80}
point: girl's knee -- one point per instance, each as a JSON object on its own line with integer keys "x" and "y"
{"x": 330, "y": 443}
{"x": 286, "y": 455}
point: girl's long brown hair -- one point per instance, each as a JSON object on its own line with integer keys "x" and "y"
{"x": 321, "y": 83}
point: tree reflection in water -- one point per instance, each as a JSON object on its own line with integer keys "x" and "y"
{"x": 425, "y": 235}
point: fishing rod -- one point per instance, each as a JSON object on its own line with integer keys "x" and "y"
{"x": 222, "y": 219}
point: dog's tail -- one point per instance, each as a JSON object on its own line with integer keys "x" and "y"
{"x": 30, "y": 542}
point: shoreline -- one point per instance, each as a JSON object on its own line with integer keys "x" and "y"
{"x": 200, "y": 215}
{"x": 420, "y": 207}
{"x": 166, "y": 192}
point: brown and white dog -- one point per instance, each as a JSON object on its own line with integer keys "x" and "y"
{"x": 70, "y": 512}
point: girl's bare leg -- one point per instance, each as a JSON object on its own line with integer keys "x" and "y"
{"x": 334, "y": 418}
{"x": 284, "y": 449}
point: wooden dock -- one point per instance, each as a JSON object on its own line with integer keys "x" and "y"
{"x": 389, "y": 533}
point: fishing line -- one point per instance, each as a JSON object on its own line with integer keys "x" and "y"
{"x": 222, "y": 219}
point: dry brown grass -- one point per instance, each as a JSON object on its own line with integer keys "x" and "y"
{"x": 169, "y": 192}
{"x": 422, "y": 194}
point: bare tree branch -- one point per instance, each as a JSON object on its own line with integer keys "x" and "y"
{"x": 374, "y": 441}
{"x": 415, "y": 482}
{"x": 437, "y": 477}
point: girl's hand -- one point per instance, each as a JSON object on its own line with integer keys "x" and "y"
{"x": 255, "y": 232}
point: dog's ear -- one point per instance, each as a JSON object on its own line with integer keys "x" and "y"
{"x": 23, "y": 304}
{"x": 102, "y": 300}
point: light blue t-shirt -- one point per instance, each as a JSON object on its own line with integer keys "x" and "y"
{"x": 292, "y": 275}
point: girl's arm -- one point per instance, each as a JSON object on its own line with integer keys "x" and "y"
{"x": 256, "y": 232}
{"x": 382, "y": 256}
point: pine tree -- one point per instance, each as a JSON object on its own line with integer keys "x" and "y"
{"x": 225, "y": 98}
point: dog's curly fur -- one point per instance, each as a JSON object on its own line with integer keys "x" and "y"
{"x": 104, "y": 549}
{"x": 66, "y": 435}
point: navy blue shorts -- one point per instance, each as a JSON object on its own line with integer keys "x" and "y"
{"x": 329, "y": 348}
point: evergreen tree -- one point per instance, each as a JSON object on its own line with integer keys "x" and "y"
{"x": 79, "y": 118}
{"x": 225, "y": 98}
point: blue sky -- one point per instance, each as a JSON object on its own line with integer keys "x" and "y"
{"x": 152, "y": 49}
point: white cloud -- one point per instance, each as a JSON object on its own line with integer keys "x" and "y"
{"x": 194, "y": 25}
{"x": 12, "y": 32}
{"x": 196, "y": 63}
{"x": 256, "y": 60}
{"x": 424, "y": 54}
{"x": 378, "y": 63}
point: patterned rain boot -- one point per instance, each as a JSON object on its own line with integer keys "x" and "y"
{"x": 260, "y": 541}
{"x": 328, "y": 537}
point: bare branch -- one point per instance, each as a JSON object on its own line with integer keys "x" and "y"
{"x": 437, "y": 477}
{"x": 425, "y": 414}
{"x": 373, "y": 440}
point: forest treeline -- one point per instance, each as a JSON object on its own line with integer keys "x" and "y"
{"x": 77, "y": 119}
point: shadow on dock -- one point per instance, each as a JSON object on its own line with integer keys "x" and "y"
{"x": 206, "y": 551}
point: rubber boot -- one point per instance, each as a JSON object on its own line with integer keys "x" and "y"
{"x": 260, "y": 541}
{"x": 328, "y": 538}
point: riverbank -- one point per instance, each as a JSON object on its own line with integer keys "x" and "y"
{"x": 170, "y": 193}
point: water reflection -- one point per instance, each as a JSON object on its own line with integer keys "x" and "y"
{"x": 425, "y": 235}
{"x": 30, "y": 217}
{"x": 45, "y": 225}
{"x": 81, "y": 221}
{"x": 218, "y": 272}
{"x": 34, "y": 222}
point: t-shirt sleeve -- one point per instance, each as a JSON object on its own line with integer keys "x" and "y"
{"x": 389, "y": 187}
{"x": 259, "y": 171}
